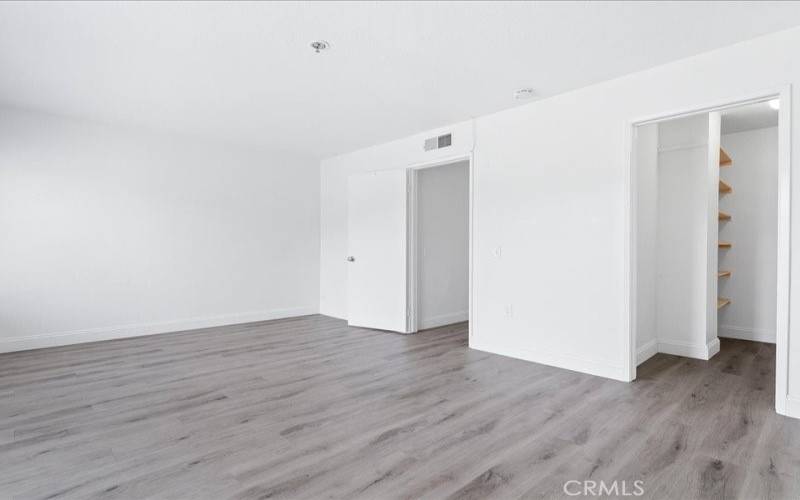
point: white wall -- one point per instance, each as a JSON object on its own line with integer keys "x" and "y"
{"x": 712, "y": 233}
{"x": 549, "y": 186}
{"x": 108, "y": 232}
{"x": 753, "y": 206}
{"x": 443, "y": 202}
{"x": 646, "y": 245}
{"x": 682, "y": 267}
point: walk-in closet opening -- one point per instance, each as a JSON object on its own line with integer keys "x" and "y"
{"x": 707, "y": 239}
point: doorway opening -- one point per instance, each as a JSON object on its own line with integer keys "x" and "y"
{"x": 710, "y": 237}
{"x": 410, "y": 246}
{"x": 439, "y": 249}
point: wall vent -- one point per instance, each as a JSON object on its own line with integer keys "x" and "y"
{"x": 440, "y": 142}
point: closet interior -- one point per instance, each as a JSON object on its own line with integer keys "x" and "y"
{"x": 706, "y": 230}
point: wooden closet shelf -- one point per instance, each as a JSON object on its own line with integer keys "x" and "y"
{"x": 722, "y": 302}
{"x": 724, "y": 187}
{"x": 724, "y": 244}
{"x": 724, "y": 216}
{"x": 724, "y": 159}
{"x": 723, "y": 274}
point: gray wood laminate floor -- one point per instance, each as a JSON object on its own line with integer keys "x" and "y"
{"x": 311, "y": 408}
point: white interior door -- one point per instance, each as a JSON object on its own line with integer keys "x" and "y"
{"x": 377, "y": 250}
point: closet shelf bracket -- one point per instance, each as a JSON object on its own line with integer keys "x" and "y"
{"x": 724, "y": 159}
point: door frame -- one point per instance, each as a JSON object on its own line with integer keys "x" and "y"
{"x": 783, "y": 221}
{"x": 413, "y": 238}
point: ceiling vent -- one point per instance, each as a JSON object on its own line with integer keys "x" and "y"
{"x": 440, "y": 142}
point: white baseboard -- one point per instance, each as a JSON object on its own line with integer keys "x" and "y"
{"x": 333, "y": 313}
{"x": 555, "y": 359}
{"x": 741, "y": 333}
{"x": 791, "y": 408}
{"x": 646, "y": 352}
{"x": 443, "y": 319}
{"x": 698, "y": 351}
{"x": 55, "y": 339}
{"x": 712, "y": 348}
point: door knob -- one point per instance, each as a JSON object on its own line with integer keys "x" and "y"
{"x": 351, "y": 259}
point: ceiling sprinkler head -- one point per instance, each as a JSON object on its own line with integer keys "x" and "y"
{"x": 319, "y": 46}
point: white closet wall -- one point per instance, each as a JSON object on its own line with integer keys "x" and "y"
{"x": 713, "y": 221}
{"x": 646, "y": 223}
{"x": 677, "y": 176}
{"x": 752, "y": 259}
{"x": 681, "y": 249}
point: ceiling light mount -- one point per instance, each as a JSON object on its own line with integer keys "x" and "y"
{"x": 524, "y": 93}
{"x": 320, "y": 45}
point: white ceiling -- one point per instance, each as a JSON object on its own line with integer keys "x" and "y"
{"x": 749, "y": 117}
{"x": 244, "y": 73}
